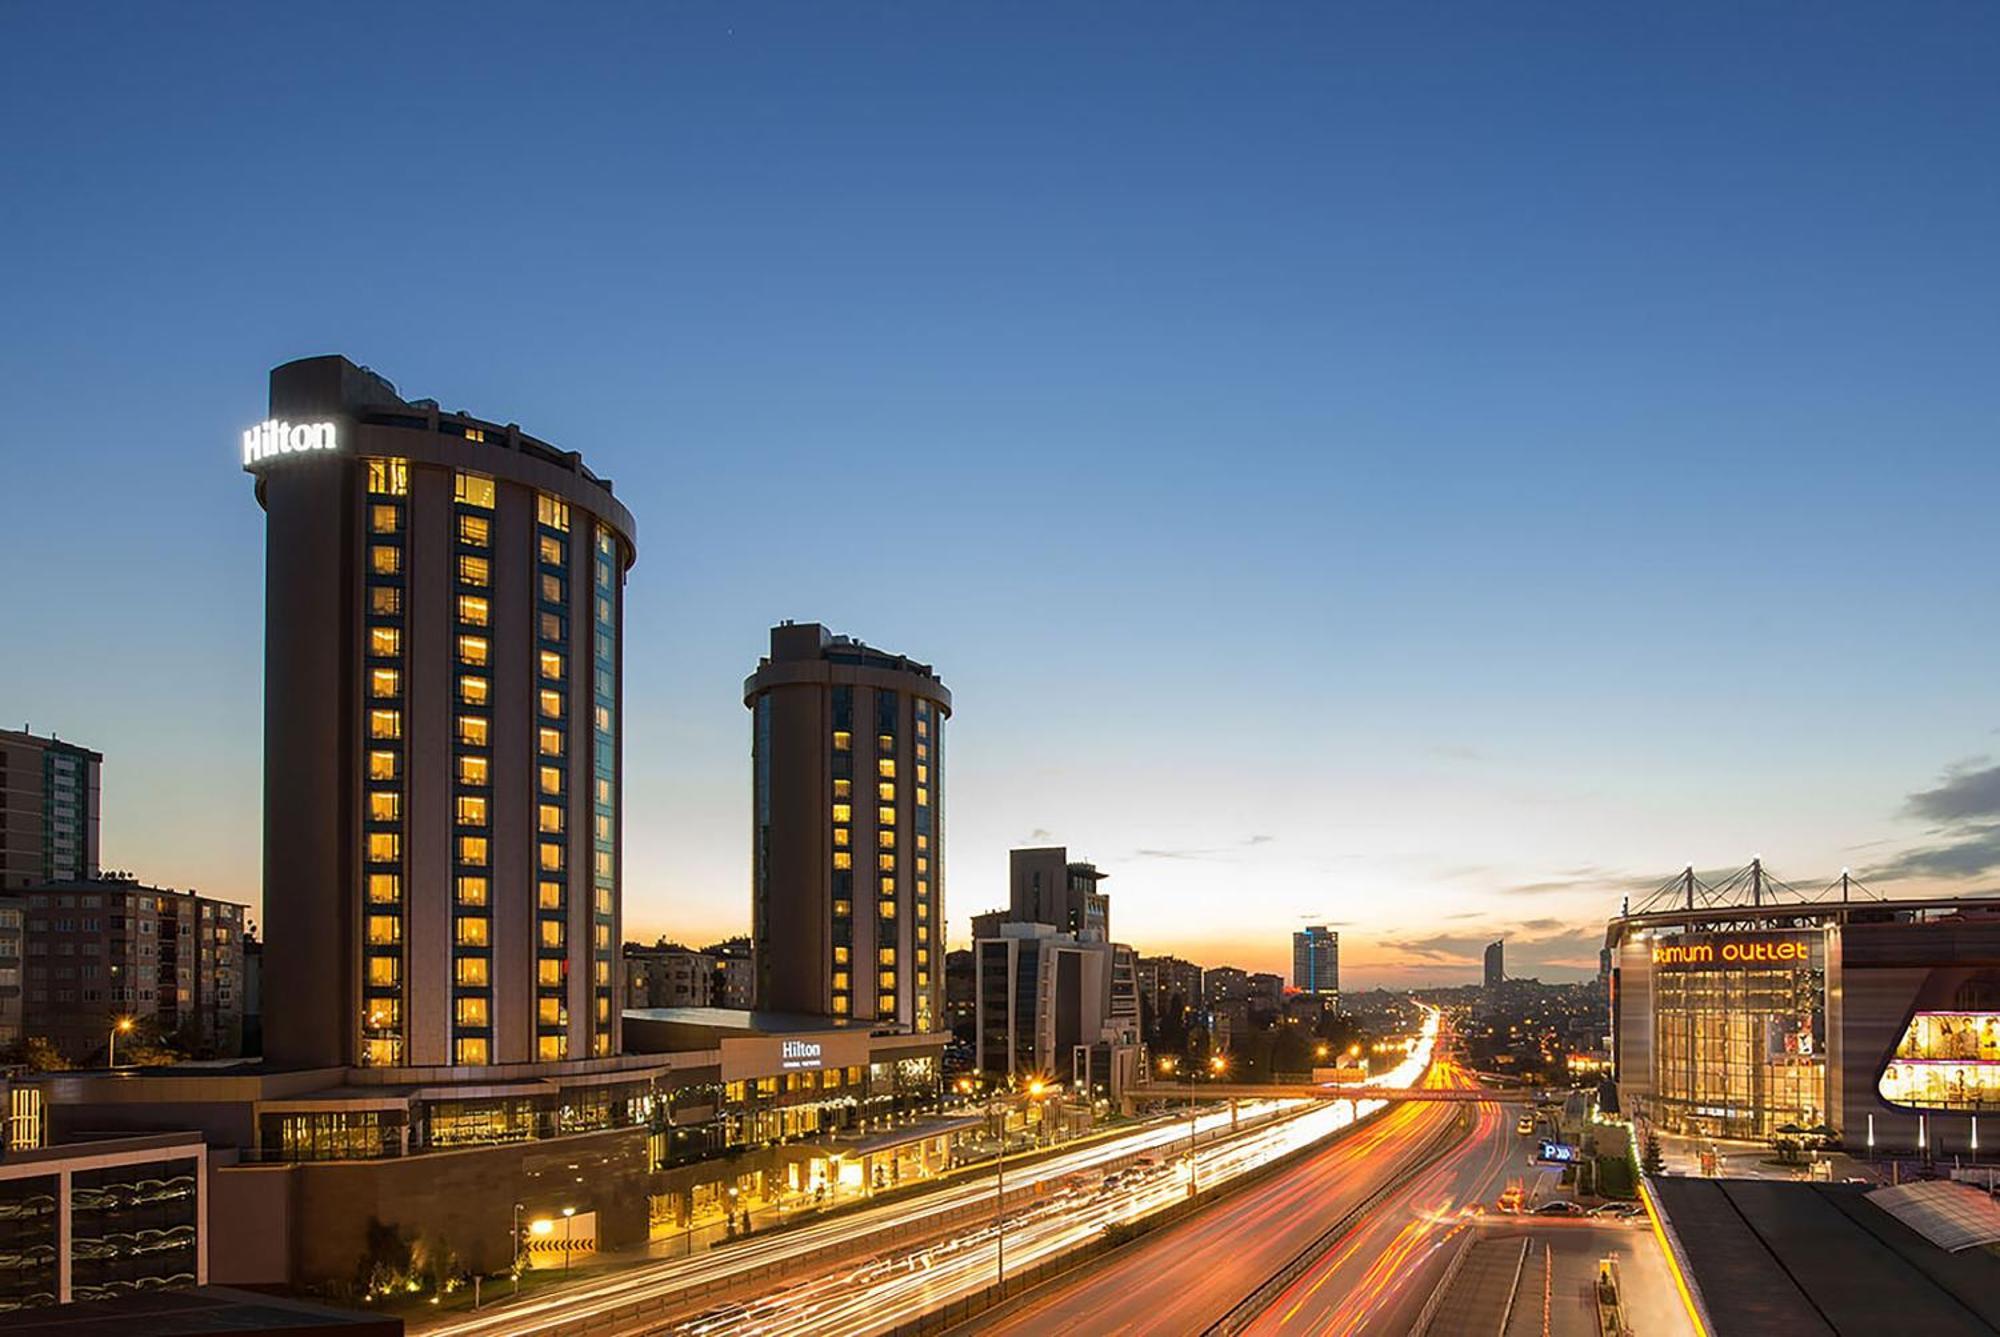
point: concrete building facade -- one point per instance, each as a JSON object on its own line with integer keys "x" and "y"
{"x": 49, "y": 810}
{"x": 443, "y": 714}
{"x": 847, "y": 829}
{"x": 1316, "y": 961}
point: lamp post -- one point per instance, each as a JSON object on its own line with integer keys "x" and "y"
{"x": 516, "y": 1267}
{"x": 1036, "y": 1088}
{"x": 569, "y": 1213}
{"x": 122, "y": 1026}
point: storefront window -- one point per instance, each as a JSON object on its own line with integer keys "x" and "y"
{"x": 1740, "y": 1022}
{"x": 1946, "y": 1061}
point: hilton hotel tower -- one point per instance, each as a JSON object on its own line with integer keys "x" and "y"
{"x": 847, "y": 867}
{"x": 442, "y": 712}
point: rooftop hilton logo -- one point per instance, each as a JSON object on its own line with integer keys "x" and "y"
{"x": 271, "y": 438}
{"x": 800, "y": 1053}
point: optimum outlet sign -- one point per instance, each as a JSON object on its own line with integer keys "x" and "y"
{"x": 271, "y": 438}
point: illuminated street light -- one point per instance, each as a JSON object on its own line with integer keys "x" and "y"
{"x": 568, "y": 1213}
{"x": 123, "y": 1026}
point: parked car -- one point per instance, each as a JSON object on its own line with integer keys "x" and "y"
{"x": 1558, "y": 1208}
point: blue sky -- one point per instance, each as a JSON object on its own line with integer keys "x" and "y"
{"x": 1426, "y": 470}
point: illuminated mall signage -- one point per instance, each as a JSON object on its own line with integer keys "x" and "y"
{"x": 272, "y": 438}
{"x": 800, "y": 1054}
{"x": 1733, "y": 950}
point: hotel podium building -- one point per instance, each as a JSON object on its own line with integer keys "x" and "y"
{"x": 847, "y": 873}
{"x": 443, "y": 624}
{"x": 1751, "y": 1011}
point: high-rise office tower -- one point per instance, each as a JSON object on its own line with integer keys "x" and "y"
{"x": 847, "y": 869}
{"x": 444, "y": 603}
{"x": 48, "y": 810}
{"x": 1316, "y": 960}
{"x": 1046, "y": 887}
{"x": 1496, "y": 962}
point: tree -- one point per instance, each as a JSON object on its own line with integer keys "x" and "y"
{"x": 39, "y": 1054}
{"x": 1650, "y": 1159}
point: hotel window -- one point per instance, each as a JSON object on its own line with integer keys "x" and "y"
{"x": 886, "y": 1004}
{"x": 840, "y": 1005}
{"x": 550, "y": 741}
{"x": 551, "y": 512}
{"x": 473, "y": 691}
{"x": 384, "y": 846}
{"x": 886, "y": 791}
{"x": 549, "y": 895}
{"x": 549, "y": 819}
{"x": 475, "y": 571}
{"x": 549, "y": 1012}
{"x": 384, "y": 888}
{"x": 551, "y": 857}
{"x": 551, "y": 626}
{"x": 843, "y": 859}
{"x": 384, "y": 930}
{"x": 469, "y": 1051}
{"x": 552, "y": 665}
{"x": 384, "y": 971}
{"x": 472, "y": 770}
{"x": 886, "y": 816}
{"x": 384, "y": 805}
{"x": 551, "y": 1048}
{"x": 552, "y": 589}
{"x": 886, "y": 766}
{"x": 475, "y": 434}
{"x": 840, "y": 980}
{"x": 474, "y": 650}
{"x": 843, "y": 812}
{"x": 843, "y": 788}
{"x": 475, "y": 531}
{"x": 385, "y": 724}
{"x": 474, "y": 610}
{"x": 548, "y": 974}
{"x": 885, "y": 979}
{"x": 888, "y": 909}
{"x": 552, "y": 704}
{"x": 475, "y": 490}
{"x": 885, "y": 839}
{"x": 842, "y": 740}
{"x": 885, "y": 863}
{"x": 552, "y": 780}
{"x": 552, "y": 550}
{"x": 384, "y": 682}
{"x": 385, "y": 560}
{"x": 385, "y": 642}
{"x": 472, "y": 730}
{"x": 471, "y": 971}
{"x": 886, "y": 956}
{"x": 471, "y": 809}
{"x": 471, "y": 1013}
{"x": 381, "y": 765}
{"x": 840, "y": 837}
{"x": 472, "y": 850}
{"x": 385, "y": 600}
{"x": 388, "y": 478}
{"x": 383, "y": 1013}
{"x": 472, "y": 931}
{"x": 472, "y": 891}
{"x": 552, "y": 933}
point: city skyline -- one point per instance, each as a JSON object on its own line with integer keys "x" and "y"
{"x": 1275, "y": 534}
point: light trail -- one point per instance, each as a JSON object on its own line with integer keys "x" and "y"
{"x": 900, "y": 1285}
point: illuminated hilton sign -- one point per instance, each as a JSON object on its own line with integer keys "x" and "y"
{"x": 272, "y": 438}
{"x": 800, "y": 1054}
{"x": 1754, "y": 949}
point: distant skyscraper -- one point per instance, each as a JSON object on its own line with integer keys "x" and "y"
{"x": 1316, "y": 960}
{"x": 847, "y": 860}
{"x": 444, "y": 602}
{"x": 1496, "y": 962}
{"x": 48, "y": 810}
{"x": 1046, "y": 887}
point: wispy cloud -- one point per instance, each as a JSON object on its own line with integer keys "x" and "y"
{"x": 1964, "y": 811}
{"x": 1204, "y": 852}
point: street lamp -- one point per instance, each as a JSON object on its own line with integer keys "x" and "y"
{"x": 518, "y": 1208}
{"x": 1034, "y": 1090}
{"x": 123, "y": 1026}
{"x": 569, "y": 1214}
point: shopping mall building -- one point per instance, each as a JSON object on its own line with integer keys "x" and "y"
{"x": 1753, "y": 1011}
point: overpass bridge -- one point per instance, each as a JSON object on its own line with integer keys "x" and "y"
{"x": 1307, "y": 1091}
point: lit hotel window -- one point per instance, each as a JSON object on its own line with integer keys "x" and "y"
{"x": 384, "y": 888}
{"x": 472, "y": 891}
{"x": 887, "y": 908}
{"x": 471, "y": 810}
{"x": 385, "y": 560}
{"x": 551, "y": 512}
{"x": 472, "y": 851}
{"x": 551, "y": 1048}
{"x": 384, "y": 846}
{"x": 384, "y": 682}
{"x": 552, "y": 704}
{"x": 382, "y": 519}
{"x": 476, "y": 490}
{"x": 548, "y": 974}
{"x": 840, "y": 1005}
{"x": 473, "y": 691}
{"x": 886, "y": 1003}
{"x": 472, "y": 730}
{"x": 381, "y": 765}
{"x": 551, "y": 780}
{"x": 843, "y": 788}
{"x": 385, "y": 600}
{"x": 385, "y": 930}
{"x": 475, "y": 531}
{"x": 470, "y": 1051}
{"x": 382, "y": 1014}
{"x": 385, "y": 724}
{"x": 552, "y": 550}
{"x": 842, "y": 740}
{"x": 886, "y": 816}
{"x": 885, "y": 863}
{"x": 472, "y": 770}
{"x": 886, "y": 767}
{"x": 550, "y": 1012}
{"x": 472, "y": 931}
{"x": 383, "y": 971}
{"x": 843, "y": 859}
{"x": 549, "y": 895}
{"x": 552, "y": 665}
{"x": 472, "y": 971}
{"x": 475, "y": 571}
{"x": 384, "y": 805}
{"x": 552, "y": 857}
{"x": 550, "y": 741}
{"x": 549, "y": 818}
{"x": 552, "y": 933}
{"x": 474, "y": 650}
{"x": 388, "y": 478}
{"x": 472, "y": 1012}
{"x": 840, "y": 837}
{"x": 886, "y": 956}
{"x": 386, "y": 642}
{"x": 473, "y": 610}
{"x": 886, "y": 791}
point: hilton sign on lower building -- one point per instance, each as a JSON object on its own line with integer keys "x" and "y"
{"x": 800, "y": 1054}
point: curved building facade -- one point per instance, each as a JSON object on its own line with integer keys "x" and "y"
{"x": 1876, "y": 1022}
{"x": 443, "y": 712}
{"x": 847, "y": 870}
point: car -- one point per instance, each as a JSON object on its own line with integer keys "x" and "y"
{"x": 1558, "y": 1208}
{"x": 1620, "y": 1210}
{"x": 1524, "y": 1126}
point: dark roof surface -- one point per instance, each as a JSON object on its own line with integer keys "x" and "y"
{"x": 1773, "y": 1259}
{"x": 205, "y": 1311}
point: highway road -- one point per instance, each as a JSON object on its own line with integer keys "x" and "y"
{"x": 1375, "y": 1279}
{"x": 1184, "y": 1278}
